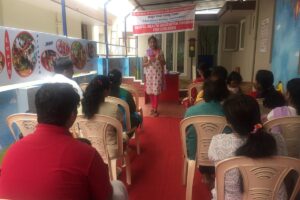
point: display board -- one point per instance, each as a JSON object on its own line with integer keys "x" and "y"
{"x": 30, "y": 56}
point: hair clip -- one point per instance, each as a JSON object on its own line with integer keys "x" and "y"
{"x": 257, "y": 127}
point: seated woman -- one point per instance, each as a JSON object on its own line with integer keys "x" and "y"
{"x": 279, "y": 108}
{"x": 234, "y": 81}
{"x": 115, "y": 77}
{"x": 214, "y": 93}
{"x": 93, "y": 102}
{"x": 218, "y": 73}
{"x": 249, "y": 139}
{"x": 293, "y": 95}
{"x": 264, "y": 89}
{"x": 264, "y": 81}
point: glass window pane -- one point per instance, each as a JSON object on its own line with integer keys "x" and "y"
{"x": 169, "y": 52}
{"x": 159, "y": 39}
{"x": 180, "y": 52}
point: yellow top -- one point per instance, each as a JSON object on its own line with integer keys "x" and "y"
{"x": 279, "y": 87}
{"x": 199, "y": 97}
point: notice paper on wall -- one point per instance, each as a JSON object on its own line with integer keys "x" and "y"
{"x": 164, "y": 20}
{"x": 264, "y": 35}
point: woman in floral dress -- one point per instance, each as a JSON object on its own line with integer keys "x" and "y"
{"x": 154, "y": 63}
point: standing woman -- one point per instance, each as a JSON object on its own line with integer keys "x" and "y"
{"x": 153, "y": 64}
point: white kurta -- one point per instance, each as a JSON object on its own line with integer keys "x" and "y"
{"x": 154, "y": 76}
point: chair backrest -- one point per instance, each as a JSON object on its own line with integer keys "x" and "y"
{"x": 83, "y": 86}
{"x": 263, "y": 110}
{"x": 290, "y": 130}
{"x": 134, "y": 93}
{"x": 262, "y": 178}
{"x": 95, "y": 130}
{"x": 198, "y": 86}
{"x": 26, "y": 122}
{"x": 206, "y": 127}
{"x": 124, "y": 105}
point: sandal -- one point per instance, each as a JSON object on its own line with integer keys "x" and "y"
{"x": 155, "y": 114}
{"x": 152, "y": 112}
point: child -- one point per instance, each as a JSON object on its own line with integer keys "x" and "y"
{"x": 234, "y": 81}
{"x": 203, "y": 73}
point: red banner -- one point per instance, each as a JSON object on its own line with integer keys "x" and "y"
{"x": 8, "y": 55}
{"x": 165, "y": 20}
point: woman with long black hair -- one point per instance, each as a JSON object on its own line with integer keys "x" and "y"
{"x": 93, "y": 102}
{"x": 248, "y": 139}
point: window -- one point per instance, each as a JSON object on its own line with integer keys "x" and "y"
{"x": 84, "y": 31}
{"x": 159, "y": 40}
{"x": 180, "y": 52}
{"x": 242, "y": 35}
{"x": 175, "y": 48}
{"x": 169, "y": 52}
{"x": 230, "y": 40}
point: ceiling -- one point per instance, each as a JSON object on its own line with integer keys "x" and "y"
{"x": 158, "y": 4}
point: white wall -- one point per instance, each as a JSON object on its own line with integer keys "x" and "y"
{"x": 142, "y": 45}
{"x": 251, "y": 58}
{"x": 1, "y": 14}
{"x": 244, "y": 58}
{"x": 263, "y": 59}
{"x": 43, "y": 16}
{"x": 20, "y": 14}
{"x": 239, "y": 58}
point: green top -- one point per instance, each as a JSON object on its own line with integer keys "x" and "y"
{"x": 205, "y": 108}
{"x": 122, "y": 93}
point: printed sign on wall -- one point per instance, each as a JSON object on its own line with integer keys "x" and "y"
{"x": 29, "y": 56}
{"x": 164, "y": 20}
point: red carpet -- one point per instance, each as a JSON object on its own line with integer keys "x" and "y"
{"x": 156, "y": 173}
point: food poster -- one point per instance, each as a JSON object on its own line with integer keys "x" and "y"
{"x": 83, "y": 55}
{"x": 51, "y": 47}
{"x": 29, "y": 56}
{"x": 19, "y": 55}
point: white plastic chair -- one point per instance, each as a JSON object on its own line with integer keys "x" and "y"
{"x": 83, "y": 86}
{"x": 26, "y": 122}
{"x": 262, "y": 178}
{"x": 206, "y": 127}
{"x": 95, "y": 130}
{"x": 290, "y": 130}
{"x": 135, "y": 94}
{"x": 124, "y": 104}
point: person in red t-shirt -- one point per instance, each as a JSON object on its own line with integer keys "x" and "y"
{"x": 50, "y": 163}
